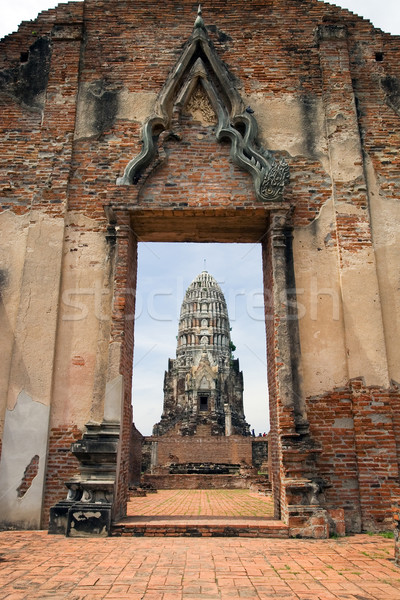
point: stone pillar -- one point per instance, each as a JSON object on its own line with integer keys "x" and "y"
{"x": 358, "y": 276}
{"x": 292, "y": 451}
{"x": 154, "y": 457}
{"x": 99, "y": 493}
{"x": 228, "y": 420}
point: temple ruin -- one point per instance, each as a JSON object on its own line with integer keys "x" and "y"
{"x": 203, "y": 402}
{"x": 265, "y": 122}
{"x": 203, "y": 387}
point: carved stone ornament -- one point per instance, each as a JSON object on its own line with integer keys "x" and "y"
{"x": 87, "y": 509}
{"x": 200, "y": 107}
{"x": 200, "y": 81}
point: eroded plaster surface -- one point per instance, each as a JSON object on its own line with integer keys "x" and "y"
{"x": 385, "y": 218}
{"x": 82, "y": 348}
{"x": 344, "y": 149}
{"x": 340, "y": 311}
{"x": 321, "y": 325}
{"x": 98, "y": 106}
{"x": 14, "y": 231}
{"x": 24, "y": 436}
{"x": 365, "y": 343}
{"x": 113, "y": 399}
{"x": 35, "y": 325}
{"x": 294, "y": 124}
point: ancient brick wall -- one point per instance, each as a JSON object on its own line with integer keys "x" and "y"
{"x": 195, "y": 482}
{"x": 136, "y": 467}
{"x": 61, "y": 466}
{"x": 260, "y": 454}
{"x": 77, "y": 86}
{"x": 221, "y": 449}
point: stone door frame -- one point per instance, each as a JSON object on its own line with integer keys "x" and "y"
{"x": 292, "y": 481}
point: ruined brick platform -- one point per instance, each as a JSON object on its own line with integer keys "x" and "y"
{"x": 195, "y": 482}
{"x": 201, "y": 527}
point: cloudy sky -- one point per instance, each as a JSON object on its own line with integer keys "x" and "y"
{"x": 166, "y": 270}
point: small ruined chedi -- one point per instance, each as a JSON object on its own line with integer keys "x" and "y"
{"x": 273, "y": 122}
{"x": 203, "y": 387}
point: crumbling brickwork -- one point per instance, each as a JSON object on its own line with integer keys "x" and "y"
{"x": 222, "y": 449}
{"x": 61, "y": 465}
{"x": 30, "y": 473}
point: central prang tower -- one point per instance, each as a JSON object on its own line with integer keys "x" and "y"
{"x": 203, "y": 387}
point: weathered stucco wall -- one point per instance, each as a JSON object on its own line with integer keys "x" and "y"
{"x": 83, "y": 325}
{"x": 320, "y": 310}
{"x": 385, "y": 214}
{"x": 14, "y": 235}
{"x": 30, "y": 345}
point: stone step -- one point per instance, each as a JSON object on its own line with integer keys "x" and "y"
{"x": 195, "y": 482}
{"x": 200, "y": 527}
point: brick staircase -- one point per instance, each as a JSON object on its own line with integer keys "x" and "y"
{"x": 254, "y": 527}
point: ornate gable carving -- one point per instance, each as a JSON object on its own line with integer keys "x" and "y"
{"x": 200, "y": 107}
{"x": 201, "y": 85}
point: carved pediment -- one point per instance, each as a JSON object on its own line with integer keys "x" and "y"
{"x": 201, "y": 85}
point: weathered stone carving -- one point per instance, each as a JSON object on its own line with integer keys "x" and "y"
{"x": 87, "y": 510}
{"x": 201, "y": 80}
{"x": 273, "y": 184}
{"x": 199, "y": 105}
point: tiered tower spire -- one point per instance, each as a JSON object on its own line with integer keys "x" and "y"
{"x": 203, "y": 387}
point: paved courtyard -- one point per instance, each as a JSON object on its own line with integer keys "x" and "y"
{"x": 220, "y": 503}
{"x": 35, "y": 565}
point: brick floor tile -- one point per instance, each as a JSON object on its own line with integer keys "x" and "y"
{"x": 184, "y": 568}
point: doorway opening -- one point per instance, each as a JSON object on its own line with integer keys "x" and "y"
{"x": 165, "y": 270}
{"x": 203, "y": 403}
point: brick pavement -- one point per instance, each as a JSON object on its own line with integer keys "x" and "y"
{"x": 36, "y": 565}
{"x": 221, "y": 503}
{"x": 221, "y": 512}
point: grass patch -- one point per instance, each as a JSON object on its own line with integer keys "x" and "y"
{"x": 385, "y": 534}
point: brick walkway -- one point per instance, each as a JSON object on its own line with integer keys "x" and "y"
{"x": 37, "y": 566}
{"x": 201, "y": 513}
{"x": 221, "y": 503}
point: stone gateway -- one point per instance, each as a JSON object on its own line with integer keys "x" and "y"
{"x": 272, "y": 122}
